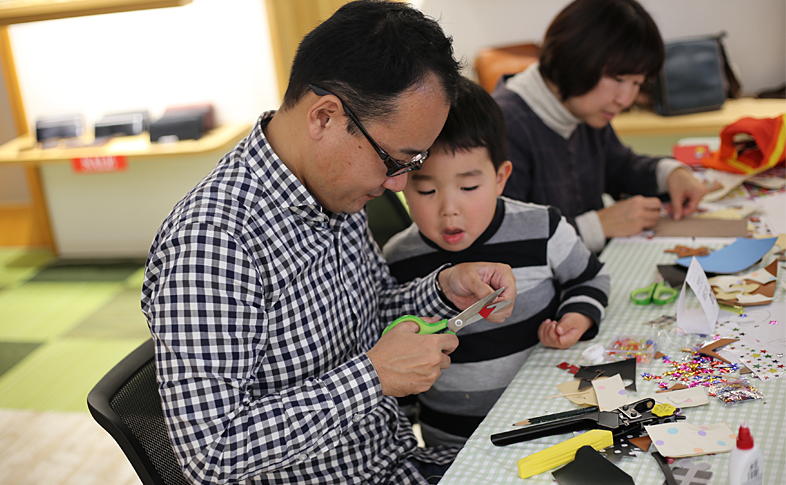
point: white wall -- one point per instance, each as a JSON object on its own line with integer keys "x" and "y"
{"x": 756, "y": 40}
{"x": 214, "y": 51}
{"x": 219, "y": 50}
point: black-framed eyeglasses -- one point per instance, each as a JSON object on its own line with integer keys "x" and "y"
{"x": 395, "y": 167}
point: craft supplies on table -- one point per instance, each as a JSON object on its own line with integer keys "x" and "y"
{"x": 624, "y": 347}
{"x": 558, "y": 455}
{"x": 481, "y": 462}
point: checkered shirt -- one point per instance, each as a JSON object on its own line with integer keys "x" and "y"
{"x": 262, "y": 308}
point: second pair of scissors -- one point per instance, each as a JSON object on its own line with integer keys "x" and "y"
{"x": 483, "y": 308}
{"x": 658, "y": 293}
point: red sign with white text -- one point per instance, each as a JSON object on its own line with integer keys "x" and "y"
{"x": 109, "y": 163}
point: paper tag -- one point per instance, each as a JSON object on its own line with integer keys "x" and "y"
{"x": 686, "y": 439}
{"x": 697, "y": 320}
{"x": 610, "y": 393}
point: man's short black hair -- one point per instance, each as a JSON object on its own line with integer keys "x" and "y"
{"x": 589, "y": 39}
{"x": 370, "y": 52}
{"x": 475, "y": 120}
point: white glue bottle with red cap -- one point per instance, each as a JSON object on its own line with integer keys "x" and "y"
{"x": 745, "y": 463}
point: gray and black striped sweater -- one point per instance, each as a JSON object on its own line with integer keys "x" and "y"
{"x": 555, "y": 274}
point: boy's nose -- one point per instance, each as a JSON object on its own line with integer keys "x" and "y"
{"x": 448, "y": 209}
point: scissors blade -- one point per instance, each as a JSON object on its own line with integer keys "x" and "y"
{"x": 483, "y": 308}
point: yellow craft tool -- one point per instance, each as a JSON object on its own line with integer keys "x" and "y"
{"x": 564, "y": 452}
{"x": 731, "y": 308}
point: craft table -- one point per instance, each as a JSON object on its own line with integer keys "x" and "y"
{"x": 632, "y": 264}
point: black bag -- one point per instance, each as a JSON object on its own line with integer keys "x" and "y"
{"x": 696, "y": 77}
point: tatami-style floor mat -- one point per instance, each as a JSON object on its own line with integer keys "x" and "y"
{"x": 63, "y": 325}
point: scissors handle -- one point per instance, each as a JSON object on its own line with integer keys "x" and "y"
{"x": 643, "y": 296}
{"x": 663, "y": 294}
{"x": 657, "y": 293}
{"x": 425, "y": 327}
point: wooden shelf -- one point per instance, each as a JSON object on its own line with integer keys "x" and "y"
{"x": 21, "y": 11}
{"x": 25, "y": 150}
{"x": 641, "y": 122}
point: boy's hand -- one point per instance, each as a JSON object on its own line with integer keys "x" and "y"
{"x": 466, "y": 283}
{"x": 566, "y": 332}
{"x": 407, "y": 362}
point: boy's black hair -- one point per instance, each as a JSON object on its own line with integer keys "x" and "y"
{"x": 475, "y": 120}
{"x": 368, "y": 53}
{"x": 589, "y": 39}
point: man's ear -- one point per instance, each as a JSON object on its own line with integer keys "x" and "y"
{"x": 503, "y": 172}
{"x": 322, "y": 115}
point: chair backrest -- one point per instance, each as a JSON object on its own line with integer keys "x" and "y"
{"x": 126, "y": 403}
{"x": 493, "y": 63}
{"x": 386, "y": 216}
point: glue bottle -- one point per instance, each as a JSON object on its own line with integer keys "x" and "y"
{"x": 745, "y": 462}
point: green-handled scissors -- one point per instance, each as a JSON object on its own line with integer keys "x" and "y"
{"x": 483, "y": 308}
{"x": 658, "y": 293}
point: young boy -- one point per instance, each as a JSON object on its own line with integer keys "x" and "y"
{"x": 460, "y": 217}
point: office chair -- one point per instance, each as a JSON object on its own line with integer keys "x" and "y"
{"x": 126, "y": 403}
{"x": 386, "y": 217}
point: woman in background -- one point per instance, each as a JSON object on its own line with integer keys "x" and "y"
{"x": 595, "y": 56}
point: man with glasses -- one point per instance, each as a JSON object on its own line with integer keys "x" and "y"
{"x": 266, "y": 295}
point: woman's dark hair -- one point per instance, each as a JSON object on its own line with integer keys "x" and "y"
{"x": 370, "y": 52}
{"x": 589, "y": 39}
{"x": 475, "y": 120}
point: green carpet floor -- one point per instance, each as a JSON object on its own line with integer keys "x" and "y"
{"x": 63, "y": 325}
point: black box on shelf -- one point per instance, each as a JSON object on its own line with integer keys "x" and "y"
{"x": 127, "y": 123}
{"x": 178, "y": 126}
{"x": 59, "y": 126}
{"x": 206, "y": 109}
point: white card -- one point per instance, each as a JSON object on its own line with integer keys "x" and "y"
{"x": 686, "y": 439}
{"x": 697, "y": 320}
{"x": 610, "y": 392}
{"x": 683, "y": 398}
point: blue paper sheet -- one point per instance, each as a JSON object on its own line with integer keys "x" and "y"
{"x": 737, "y": 256}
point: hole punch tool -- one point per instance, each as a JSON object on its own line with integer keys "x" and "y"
{"x": 629, "y": 418}
{"x": 483, "y": 308}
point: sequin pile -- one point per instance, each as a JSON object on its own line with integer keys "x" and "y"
{"x": 693, "y": 370}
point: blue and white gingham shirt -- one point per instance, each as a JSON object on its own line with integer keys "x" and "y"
{"x": 262, "y": 308}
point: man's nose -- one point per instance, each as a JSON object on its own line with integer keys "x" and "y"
{"x": 397, "y": 183}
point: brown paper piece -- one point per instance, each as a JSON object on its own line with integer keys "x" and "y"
{"x": 571, "y": 387}
{"x": 752, "y": 293}
{"x": 675, "y": 387}
{"x": 685, "y": 251}
{"x": 710, "y": 348}
{"x": 668, "y": 227}
{"x": 642, "y": 443}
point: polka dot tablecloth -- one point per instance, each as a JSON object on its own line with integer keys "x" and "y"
{"x": 632, "y": 264}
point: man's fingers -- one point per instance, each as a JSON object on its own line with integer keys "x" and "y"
{"x": 448, "y": 344}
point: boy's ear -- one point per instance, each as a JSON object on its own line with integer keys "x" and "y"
{"x": 503, "y": 172}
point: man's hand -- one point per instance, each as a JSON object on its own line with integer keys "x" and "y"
{"x": 466, "y": 283}
{"x": 685, "y": 192}
{"x": 407, "y": 362}
{"x": 630, "y": 216}
{"x": 566, "y": 332}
